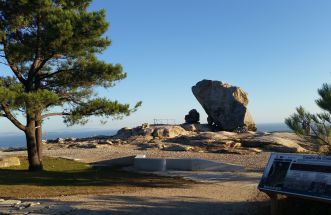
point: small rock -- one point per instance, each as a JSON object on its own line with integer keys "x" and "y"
{"x": 190, "y": 127}
{"x": 60, "y": 140}
{"x": 9, "y": 161}
{"x": 255, "y": 150}
{"x": 236, "y": 145}
{"x": 145, "y": 125}
{"x": 9, "y": 203}
{"x": 116, "y": 141}
{"x": 169, "y": 131}
{"x": 105, "y": 142}
{"x": 83, "y": 145}
{"x": 178, "y": 148}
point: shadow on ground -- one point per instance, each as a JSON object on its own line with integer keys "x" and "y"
{"x": 123, "y": 205}
{"x": 71, "y": 178}
{"x": 182, "y": 205}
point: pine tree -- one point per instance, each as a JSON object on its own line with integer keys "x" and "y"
{"x": 314, "y": 126}
{"x": 51, "y": 48}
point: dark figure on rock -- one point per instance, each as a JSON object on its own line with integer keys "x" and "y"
{"x": 192, "y": 117}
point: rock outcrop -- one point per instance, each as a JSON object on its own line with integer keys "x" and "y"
{"x": 153, "y": 131}
{"x": 225, "y": 105}
{"x": 190, "y": 137}
{"x": 273, "y": 143}
{"x": 192, "y": 117}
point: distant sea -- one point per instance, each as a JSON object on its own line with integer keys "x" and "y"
{"x": 16, "y": 140}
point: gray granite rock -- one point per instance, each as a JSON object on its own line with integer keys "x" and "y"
{"x": 225, "y": 105}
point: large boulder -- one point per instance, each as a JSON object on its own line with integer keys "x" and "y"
{"x": 225, "y": 105}
{"x": 192, "y": 117}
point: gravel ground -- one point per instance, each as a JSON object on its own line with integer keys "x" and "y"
{"x": 201, "y": 199}
{"x": 239, "y": 196}
{"x": 253, "y": 162}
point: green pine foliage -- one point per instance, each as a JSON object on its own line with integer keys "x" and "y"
{"x": 51, "y": 48}
{"x": 314, "y": 126}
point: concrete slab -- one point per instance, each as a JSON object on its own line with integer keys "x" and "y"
{"x": 117, "y": 162}
{"x": 189, "y": 164}
{"x": 150, "y": 164}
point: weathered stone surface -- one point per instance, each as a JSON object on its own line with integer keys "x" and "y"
{"x": 139, "y": 139}
{"x": 192, "y": 117}
{"x": 60, "y": 141}
{"x": 177, "y": 147}
{"x": 85, "y": 145}
{"x": 9, "y": 161}
{"x": 152, "y": 146}
{"x": 189, "y": 127}
{"x": 143, "y": 130}
{"x": 169, "y": 131}
{"x": 196, "y": 127}
{"x": 273, "y": 143}
{"x": 105, "y": 142}
{"x": 9, "y": 203}
{"x": 225, "y": 105}
{"x": 124, "y": 133}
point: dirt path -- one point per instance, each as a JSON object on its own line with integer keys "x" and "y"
{"x": 214, "y": 198}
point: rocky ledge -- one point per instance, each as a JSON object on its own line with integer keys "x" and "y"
{"x": 189, "y": 137}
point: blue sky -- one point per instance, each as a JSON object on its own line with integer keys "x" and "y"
{"x": 277, "y": 51}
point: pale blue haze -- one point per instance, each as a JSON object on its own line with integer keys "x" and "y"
{"x": 277, "y": 51}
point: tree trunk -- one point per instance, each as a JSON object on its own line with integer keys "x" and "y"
{"x": 39, "y": 139}
{"x": 32, "y": 148}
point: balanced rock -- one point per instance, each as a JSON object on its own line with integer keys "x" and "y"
{"x": 225, "y": 105}
{"x": 192, "y": 117}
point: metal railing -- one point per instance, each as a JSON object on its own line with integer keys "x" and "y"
{"x": 164, "y": 122}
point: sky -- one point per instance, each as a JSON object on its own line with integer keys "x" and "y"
{"x": 279, "y": 52}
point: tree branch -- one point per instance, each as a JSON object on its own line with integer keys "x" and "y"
{"x": 318, "y": 136}
{"x": 10, "y": 116}
{"x": 42, "y": 64}
{"x": 55, "y": 73}
{"x": 55, "y": 114}
{"x": 12, "y": 66}
{"x": 36, "y": 61}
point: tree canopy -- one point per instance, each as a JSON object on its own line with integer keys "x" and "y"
{"x": 317, "y": 126}
{"x": 51, "y": 48}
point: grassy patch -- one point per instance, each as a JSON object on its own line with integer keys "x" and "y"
{"x": 64, "y": 177}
